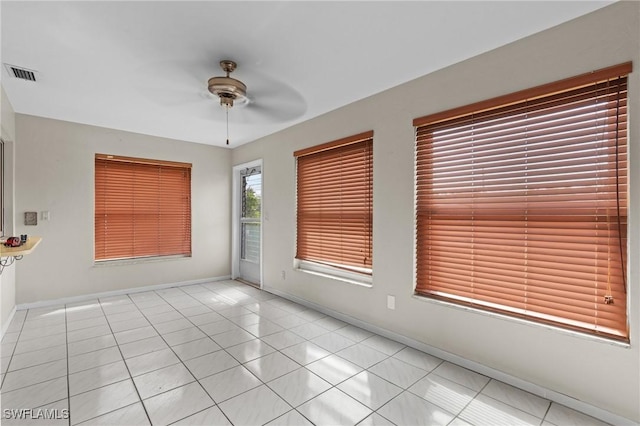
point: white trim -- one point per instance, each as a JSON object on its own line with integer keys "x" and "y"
{"x": 136, "y": 260}
{"x": 235, "y": 218}
{"x": 541, "y": 391}
{"x": 524, "y": 321}
{"x": 332, "y": 272}
{"x": 5, "y": 327}
{"x": 74, "y": 299}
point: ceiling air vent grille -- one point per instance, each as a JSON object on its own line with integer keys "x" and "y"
{"x": 21, "y": 73}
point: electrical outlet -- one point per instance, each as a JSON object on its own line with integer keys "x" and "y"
{"x": 391, "y": 302}
{"x": 283, "y": 274}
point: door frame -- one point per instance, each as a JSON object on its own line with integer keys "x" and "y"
{"x": 236, "y": 207}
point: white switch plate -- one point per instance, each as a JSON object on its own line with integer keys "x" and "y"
{"x": 391, "y": 302}
{"x": 44, "y": 215}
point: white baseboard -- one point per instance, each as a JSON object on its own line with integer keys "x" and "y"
{"x": 5, "y": 327}
{"x": 74, "y": 299}
{"x": 543, "y": 392}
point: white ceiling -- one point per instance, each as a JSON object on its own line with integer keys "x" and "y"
{"x": 143, "y": 66}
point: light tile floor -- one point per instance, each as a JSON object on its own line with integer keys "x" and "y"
{"x": 226, "y": 353}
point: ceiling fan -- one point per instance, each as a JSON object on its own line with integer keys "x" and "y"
{"x": 228, "y": 89}
{"x": 259, "y": 97}
{"x": 267, "y": 100}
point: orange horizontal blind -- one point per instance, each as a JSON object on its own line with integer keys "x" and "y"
{"x": 142, "y": 208}
{"x": 335, "y": 203}
{"x": 522, "y": 208}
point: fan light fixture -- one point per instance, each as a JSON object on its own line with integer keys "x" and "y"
{"x": 228, "y": 89}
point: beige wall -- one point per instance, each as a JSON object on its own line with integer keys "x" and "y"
{"x": 596, "y": 372}
{"x": 7, "y": 279}
{"x": 55, "y": 173}
{"x": 7, "y": 117}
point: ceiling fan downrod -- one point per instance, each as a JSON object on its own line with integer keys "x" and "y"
{"x": 228, "y": 89}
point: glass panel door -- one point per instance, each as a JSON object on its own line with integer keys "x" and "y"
{"x": 250, "y": 216}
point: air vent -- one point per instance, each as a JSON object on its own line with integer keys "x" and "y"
{"x": 21, "y": 73}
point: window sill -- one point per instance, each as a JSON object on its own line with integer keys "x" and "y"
{"x": 137, "y": 260}
{"x": 572, "y": 333}
{"x": 330, "y": 272}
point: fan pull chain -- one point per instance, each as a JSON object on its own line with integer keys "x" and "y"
{"x": 227, "y": 108}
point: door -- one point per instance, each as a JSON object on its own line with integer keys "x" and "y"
{"x": 249, "y": 221}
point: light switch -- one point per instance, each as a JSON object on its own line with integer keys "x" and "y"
{"x": 44, "y": 215}
{"x": 391, "y": 302}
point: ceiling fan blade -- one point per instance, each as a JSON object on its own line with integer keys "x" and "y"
{"x": 270, "y": 101}
{"x": 255, "y": 113}
{"x": 170, "y": 83}
{"x": 172, "y": 97}
{"x": 271, "y": 112}
{"x": 182, "y": 84}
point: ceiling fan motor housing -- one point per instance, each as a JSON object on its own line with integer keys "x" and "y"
{"x": 228, "y": 89}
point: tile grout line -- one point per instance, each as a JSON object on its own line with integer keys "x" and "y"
{"x": 99, "y": 366}
{"x": 403, "y": 389}
{"x": 306, "y": 340}
{"x": 258, "y": 338}
{"x": 176, "y": 355}
{"x": 546, "y": 413}
{"x": 36, "y": 383}
{"x": 101, "y": 386}
{"x": 387, "y": 356}
{"x": 224, "y": 349}
{"x": 471, "y": 400}
{"x": 335, "y": 386}
{"x": 4, "y": 377}
{"x": 23, "y": 322}
{"x": 167, "y": 298}
{"x": 240, "y": 363}
{"x": 187, "y": 318}
{"x": 263, "y": 383}
{"x": 66, "y": 340}
{"x": 513, "y": 406}
{"x": 216, "y": 404}
{"x": 128, "y": 371}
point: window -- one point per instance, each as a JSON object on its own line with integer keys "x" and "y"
{"x": 335, "y": 204}
{"x": 522, "y": 204}
{"x": 251, "y": 211}
{"x": 142, "y": 208}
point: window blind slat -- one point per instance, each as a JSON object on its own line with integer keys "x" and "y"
{"x": 522, "y": 206}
